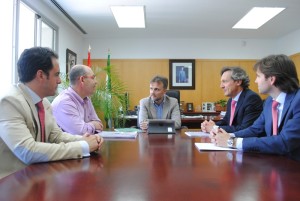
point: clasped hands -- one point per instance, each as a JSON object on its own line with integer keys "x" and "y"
{"x": 219, "y": 137}
{"x": 207, "y": 126}
{"x": 94, "y": 141}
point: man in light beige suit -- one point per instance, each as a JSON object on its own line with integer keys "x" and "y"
{"x": 158, "y": 105}
{"x": 21, "y": 131}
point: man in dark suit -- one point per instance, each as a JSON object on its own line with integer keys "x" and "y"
{"x": 277, "y": 130}
{"x": 243, "y": 107}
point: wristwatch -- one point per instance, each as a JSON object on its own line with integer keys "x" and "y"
{"x": 230, "y": 142}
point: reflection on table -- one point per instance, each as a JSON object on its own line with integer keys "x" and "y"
{"x": 188, "y": 119}
{"x": 158, "y": 167}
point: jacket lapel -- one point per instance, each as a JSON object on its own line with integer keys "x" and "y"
{"x": 287, "y": 103}
{"x": 33, "y": 109}
{"x": 166, "y": 107}
{"x": 239, "y": 103}
{"x": 152, "y": 111}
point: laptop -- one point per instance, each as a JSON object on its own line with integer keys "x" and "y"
{"x": 161, "y": 126}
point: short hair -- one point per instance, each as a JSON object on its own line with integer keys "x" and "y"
{"x": 238, "y": 74}
{"x": 34, "y": 59}
{"x": 161, "y": 79}
{"x": 283, "y": 68}
{"x": 75, "y": 72}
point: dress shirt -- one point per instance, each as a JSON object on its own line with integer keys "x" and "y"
{"x": 36, "y": 99}
{"x": 74, "y": 114}
{"x": 159, "y": 109}
{"x": 236, "y": 98}
{"x": 280, "y": 99}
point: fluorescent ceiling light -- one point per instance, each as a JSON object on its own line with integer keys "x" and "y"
{"x": 129, "y": 16}
{"x": 256, "y": 17}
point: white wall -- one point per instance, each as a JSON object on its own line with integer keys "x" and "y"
{"x": 180, "y": 48}
{"x": 69, "y": 36}
{"x": 289, "y": 44}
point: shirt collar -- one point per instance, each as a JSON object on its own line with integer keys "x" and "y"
{"x": 281, "y": 98}
{"x": 33, "y": 95}
{"x": 236, "y": 98}
{"x": 164, "y": 100}
{"x": 76, "y": 96}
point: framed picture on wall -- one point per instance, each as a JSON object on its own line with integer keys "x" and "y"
{"x": 182, "y": 73}
{"x": 71, "y": 59}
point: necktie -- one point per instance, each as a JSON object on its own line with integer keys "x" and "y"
{"x": 275, "y": 116}
{"x": 41, "y": 113}
{"x": 233, "y": 103}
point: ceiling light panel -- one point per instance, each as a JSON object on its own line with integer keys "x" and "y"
{"x": 129, "y": 16}
{"x": 256, "y": 17}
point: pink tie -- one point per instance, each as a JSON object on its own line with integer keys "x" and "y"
{"x": 41, "y": 113}
{"x": 275, "y": 116}
{"x": 233, "y": 102}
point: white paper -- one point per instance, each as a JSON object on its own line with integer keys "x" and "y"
{"x": 197, "y": 134}
{"x": 212, "y": 147}
{"x": 115, "y": 134}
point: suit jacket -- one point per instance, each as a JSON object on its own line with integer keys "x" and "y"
{"x": 20, "y": 137}
{"x": 170, "y": 110}
{"x": 248, "y": 109}
{"x": 259, "y": 137}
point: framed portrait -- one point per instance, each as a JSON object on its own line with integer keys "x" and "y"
{"x": 71, "y": 59}
{"x": 182, "y": 73}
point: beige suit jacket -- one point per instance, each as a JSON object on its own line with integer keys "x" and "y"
{"x": 170, "y": 110}
{"x": 20, "y": 137}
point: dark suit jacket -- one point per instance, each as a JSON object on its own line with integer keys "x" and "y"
{"x": 248, "y": 109}
{"x": 259, "y": 136}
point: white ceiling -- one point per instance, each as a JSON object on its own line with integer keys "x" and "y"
{"x": 183, "y": 18}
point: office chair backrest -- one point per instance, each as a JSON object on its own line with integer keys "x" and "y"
{"x": 174, "y": 94}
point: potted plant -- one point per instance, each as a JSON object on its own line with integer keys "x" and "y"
{"x": 109, "y": 97}
{"x": 220, "y": 105}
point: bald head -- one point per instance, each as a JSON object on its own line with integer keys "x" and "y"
{"x": 77, "y": 71}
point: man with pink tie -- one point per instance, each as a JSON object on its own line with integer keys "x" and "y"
{"x": 243, "y": 107}
{"x": 277, "y": 130}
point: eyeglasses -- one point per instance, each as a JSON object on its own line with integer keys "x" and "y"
{"x": 91, "y": 76}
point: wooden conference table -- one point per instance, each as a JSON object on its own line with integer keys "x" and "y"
{"x": 158, "y": 167}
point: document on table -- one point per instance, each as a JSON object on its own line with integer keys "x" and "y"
{"x": 116, "y": 134}
{"x": 212, "y": 147}
{"x": 197, "y": 134}
{"x": 128, "y": 130}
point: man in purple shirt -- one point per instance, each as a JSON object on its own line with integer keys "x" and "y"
{"x": 72, "y": 108}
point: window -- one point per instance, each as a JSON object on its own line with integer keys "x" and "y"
{"x": 6, "y": 10}
{"x": 24, "y": 28}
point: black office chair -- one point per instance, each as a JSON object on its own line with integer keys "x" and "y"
{"x": 174, "y": 94}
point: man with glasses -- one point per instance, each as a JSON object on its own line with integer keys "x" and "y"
{"x": 72, "y": 108}
{"x": 158, "y": 105}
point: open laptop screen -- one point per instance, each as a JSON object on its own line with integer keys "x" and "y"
{"x": 161, "y": 126}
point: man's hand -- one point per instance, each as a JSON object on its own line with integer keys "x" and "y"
{"x": 207, "y": 126}
{"x": 98, "y": 125}
{"x": 219, "y": 137}
{"x": 94, "y": 141}
{"x": 144, "y": 125}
